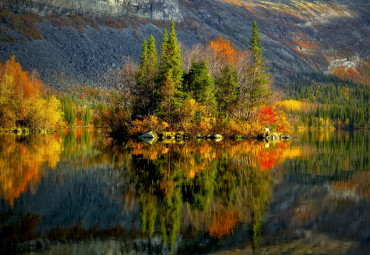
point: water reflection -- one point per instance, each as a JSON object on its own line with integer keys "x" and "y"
{"x": 197, "y": 196}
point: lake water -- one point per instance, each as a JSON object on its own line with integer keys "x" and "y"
{"x": 78, "y": 192}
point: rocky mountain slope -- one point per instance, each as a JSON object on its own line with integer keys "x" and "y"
{"x": 298, "y": 36}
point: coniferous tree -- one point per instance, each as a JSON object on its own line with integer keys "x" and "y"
{"x": 175, "y": 59}
{"x": 141, "y": 93}
{"x": 164, "y": 56}
{"x": 227, "y": 90}
{"x": 256, "y": 92}
{"x": 144, "y": 65}
{"x": 69, "y": 112}
{"x": 167, "y": 107}
{"x": 146, "y": 89}
{"x": 171, "y": 69}
{"x": 152, "y": 74}
{"x": 200, "y": 85}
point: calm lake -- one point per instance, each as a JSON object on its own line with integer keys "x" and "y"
{"x": 78, "y": 192}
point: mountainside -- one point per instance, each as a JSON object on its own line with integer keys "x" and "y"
{"x": 298, "y": 36}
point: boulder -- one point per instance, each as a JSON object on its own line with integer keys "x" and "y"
{"x": 149, "y": 134}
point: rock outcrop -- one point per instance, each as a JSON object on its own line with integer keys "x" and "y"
{"x": 150, "y": 9}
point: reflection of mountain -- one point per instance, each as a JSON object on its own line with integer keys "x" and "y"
{"x": 308, "y": 217}
{"x": 66, "y": 197}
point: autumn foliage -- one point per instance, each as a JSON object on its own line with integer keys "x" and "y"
{"x": 22, "y": 99}
{"x": 21, "y": 164}
{"x": 353, "y": 74}
{"x": 225, "y": 51}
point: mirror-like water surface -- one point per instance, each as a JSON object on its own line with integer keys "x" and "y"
{"x": 78, "y": 192}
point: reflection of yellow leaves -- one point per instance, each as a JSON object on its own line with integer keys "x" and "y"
{"x": 21, "y": 163}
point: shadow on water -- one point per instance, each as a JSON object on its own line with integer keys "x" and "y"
{"x": 194, "y": 197}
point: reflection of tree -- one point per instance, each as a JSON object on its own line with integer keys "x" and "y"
{"x": 331, "y": 154}
{"x": 22, "y": 160}
{"x": 259, "y": 186}
{"x": 223, "y": 184}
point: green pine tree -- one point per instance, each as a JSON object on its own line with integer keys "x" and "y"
{"x": 256, "y": 92}
{"x": 200, "y": 84}
{"x": 175, "y": 59}
{"x": 227, "y": 90}
{"x": 170, "y": 69}
{"x": 146, "y": 91}
{"x": 69, "y": 112}
{"x": 144, "y": 65}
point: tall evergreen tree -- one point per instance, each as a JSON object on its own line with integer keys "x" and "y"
{"x": 256, "y": 92}
{"x": 143, "y": 64}
{"x": 164, "y": 56}
{"x": 141, "y": 94}
{"x": 146, "y": 90}
{"x": 175, "y": 59}
{"x": 152, "y": 57}
{"x": 227, "y": 90}
{"x": 200, "y": 84}
{"x": 152, "y": 74}
{"x": 171, "y": 69}
{"x": 168, "y": 105}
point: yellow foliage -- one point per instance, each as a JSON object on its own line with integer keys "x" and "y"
{"x": 21, "y": 102}
{"x": 195, "y": 118}
{"x": 7, "y": 116}
{"x": 290, "y": 105}
{"x": 42, "y": 113}
{"x": 22, "y": 164}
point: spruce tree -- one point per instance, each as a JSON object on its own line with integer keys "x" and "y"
{"x": 152, "y": 56}
{"x": 200, "y": 84}
{"x": 167, "y": 107}
{"x": 256, "y": 92}
{"x": 145, "y": 93}
{"x": 141, "y": 94}
{"x": 164, "y": 56}
{"x": 152, "y": 74}
{"x": 144, "y": 65}
{"x": 227, "y": 90}
{"x": 175, "y": 59}
{"x": 171, "y": 68}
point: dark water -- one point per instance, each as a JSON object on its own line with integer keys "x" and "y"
{"x": 78, "y": 192}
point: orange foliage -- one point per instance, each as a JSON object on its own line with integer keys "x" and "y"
{"x": 149, "y": 123}
{"x": 223, "y": 223}
{"x": 304, "y": 44}
{"x": 351, "y": 74}
{"x": 272, "y": 118}
{"x": 267, "y": 160}
{"x": 225, "y": 51}
{"x": 267, "y": 115}
{"x": 21, "y": 164}
{"x": 25, "y": 85}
